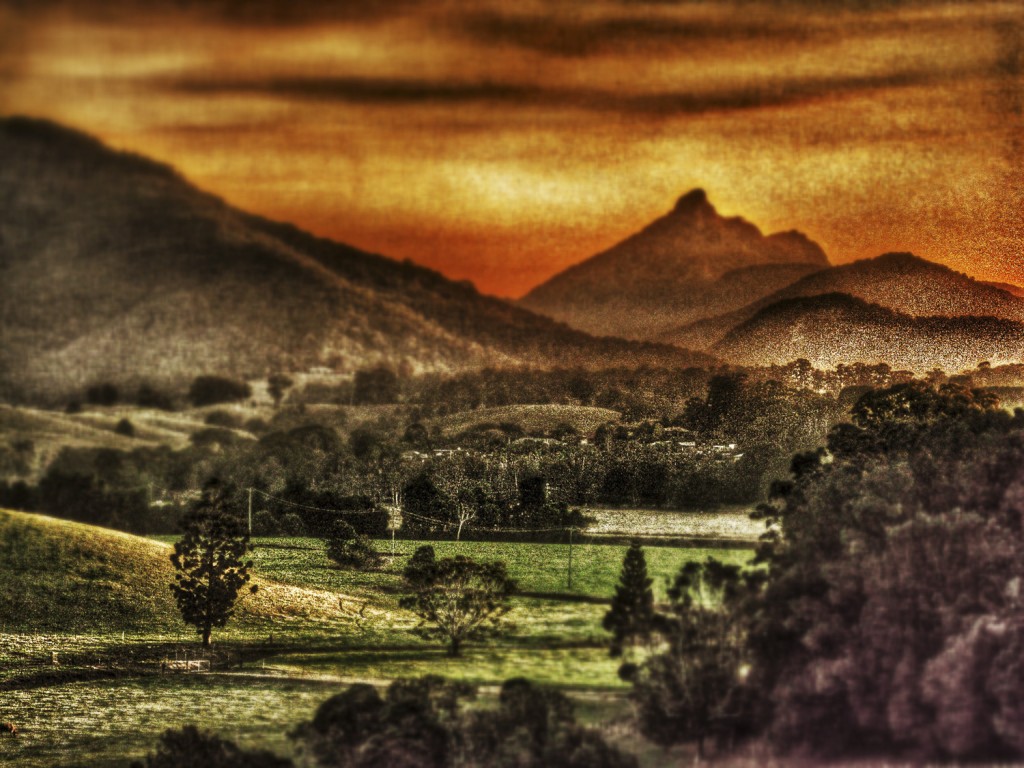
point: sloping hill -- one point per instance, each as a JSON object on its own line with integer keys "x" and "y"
{"x": 114, "y": 268}
{"x": 59, "y": 576}
{"x": 902, "y": 282}
{"x": 838, "y": 328}
{"x": 686, "y": 265}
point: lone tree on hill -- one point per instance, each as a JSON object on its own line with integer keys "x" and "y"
{"x": 461, "y": 599}
{"x": 209, "y": 561}
{"x": 631, "y": 616}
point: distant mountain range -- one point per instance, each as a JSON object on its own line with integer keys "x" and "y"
{"x": 704, "y": 282}
{"x": 838, "y": 328}
{"x": 685, "y": 266}
{"x": 114, "y": 268}
{"x": 898, "y": 281}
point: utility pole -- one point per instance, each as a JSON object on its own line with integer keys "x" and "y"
{"x": 568, "y": 584}
{"x": 250, "y": 511}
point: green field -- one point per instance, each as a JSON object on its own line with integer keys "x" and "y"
{"x": 309, "y": 631}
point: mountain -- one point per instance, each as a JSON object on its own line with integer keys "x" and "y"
{"x": 837, "y": 328}
{"x": 1016, "y": 290}
{"x": 899, "y": 281}
{"x": 114, "y": 268}
{"x": 684, "y": 266}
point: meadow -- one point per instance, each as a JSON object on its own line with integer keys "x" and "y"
{"x": 310, "y": 630}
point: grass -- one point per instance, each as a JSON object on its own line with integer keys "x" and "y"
{"x": 63, "y": 577}
{"x": 74, "y": 588}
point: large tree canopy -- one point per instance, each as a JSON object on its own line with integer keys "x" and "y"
{"x": 892, "y": 619}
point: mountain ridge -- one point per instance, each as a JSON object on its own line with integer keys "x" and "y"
{"x": 898, "y": 280}
{"x": 672, "y": 270}
{"x": 833, "y": 328}
{"x": 114, "y": 267}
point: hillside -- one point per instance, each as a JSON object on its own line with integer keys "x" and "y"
{"x": 59, "y": 576}
{"x": 688, "y": 264}
{"x": 114, "y": 268}
{"x": 902, "y": 282}
{"x": 838, "y": 328}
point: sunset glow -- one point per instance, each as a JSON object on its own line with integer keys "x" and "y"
{"x": 501, "y": 145}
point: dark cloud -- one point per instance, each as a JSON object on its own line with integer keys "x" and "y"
{"x": 411, "y": 92}
{"x": 236, "y": 12}
{"x": 579, "y": 37}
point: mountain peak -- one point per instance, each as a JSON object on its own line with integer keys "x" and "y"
{"x": 692, "y": 201}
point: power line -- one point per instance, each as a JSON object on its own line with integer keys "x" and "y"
{"x": 312, "y": 508}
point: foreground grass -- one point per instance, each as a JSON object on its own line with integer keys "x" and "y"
{"x": 99, "y": 597}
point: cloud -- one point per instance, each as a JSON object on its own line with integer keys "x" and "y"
{"x": 576, "y": 36}
{"x": 401, "y": 92}
{"x": 236, "y": 12}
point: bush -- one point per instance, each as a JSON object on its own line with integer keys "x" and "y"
{"x": 147, "y": 397}
{"x": 292, "y": 525}
{"x": 125, "y": 427}
{"x": 351, "y": 550}
{"x": 265, "y": 524}
{"x": 211, "y": 390}
{"x": 101, "y": 394}
{"x": 420, "y": 566}
{"x": 192, "y": 748}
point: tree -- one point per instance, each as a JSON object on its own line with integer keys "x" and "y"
{"x": 411, "y": 727}
{"x": 191, "y": 748}
{"x": 210, "y": 390}
{"x": 534, "y": 728}
{"x": 349, "y": 549}
{"x": 420, "y": 568}
{"x": 209, "y": 560}
{"x": 277, "y": 384}
{"x": 376, "y": 386}
{"x": 461, "y": 599}
{"x": 631, "y": 616}
{"x": 422, "y": 723}
{"x": 893, "y": 599}
{"x": 695, "y": 688}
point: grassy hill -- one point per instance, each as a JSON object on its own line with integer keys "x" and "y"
{"x": 58, "y": 576}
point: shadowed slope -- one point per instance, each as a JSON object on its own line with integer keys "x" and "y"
{"x": 837, "y": 328}
{"x": 112, "y": 267}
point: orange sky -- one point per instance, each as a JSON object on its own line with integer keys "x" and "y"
{"x": 502, "y": 142}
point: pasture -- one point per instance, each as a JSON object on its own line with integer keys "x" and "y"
{"x": 310, "y": 630}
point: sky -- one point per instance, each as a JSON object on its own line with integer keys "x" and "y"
{"x": 501, "y": 142}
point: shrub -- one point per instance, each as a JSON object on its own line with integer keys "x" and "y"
{"x": 101, "y": 394}
{"x": 349, "y": 549}
{"x": 125, "y": 427}
{"x": 211, "y": 390}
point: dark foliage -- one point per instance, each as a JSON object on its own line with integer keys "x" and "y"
{"x": 377, "y": 386}
{"x": 893, "y": 608}
{"x": 349, "y": 549}
{"x": 420, "y": 568}
{"x": 125, "y": 427}
{"x": 422, "y": 724}
{"x": 191, "y": 748}
{"x": 211, "y": 390}
{"x": 459, "y": 599}
{"x": 209, "y": 560}
{"x": 695, "y": 688}
{"x": 534, "y": 728}
{"x": 102, "y": 394}
{"x": 631, "y": 616}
